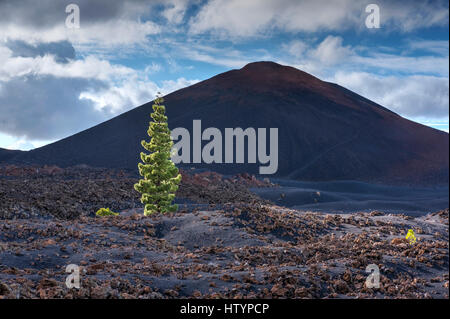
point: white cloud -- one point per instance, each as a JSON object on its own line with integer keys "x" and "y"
{"x": 131, "y": 93}
{"x": 224, "y": 56}
{"x": 153, "y": 68}
{"x": 231, "y": 62}
{"x": 107, "y": 34}
{"x": 21, "y": 144}
{"x": 331, "y": 51}
{"x": 114, "y": 33}
{"x": 90, "y": 67}
{"x": 435, "y": 46}
{"x": 258, "y": 17}
{"x": 331, "y": 54}
{"x": 175, "y": 10}
{"x": 42, "y": 107}
{"x": 296, "y": 48}
{"x": 409, "y": 64}
{"x": 413, "y": 96}
{"x": 408, "y": 16}
{"x": 44, "y": 99}
{"x": 238, "y": 18}
{"x": 319, "y": 58}
{"x": 103, "y": 23}
{"x": 234, "y": 17}
{"x": 173, "y": 85}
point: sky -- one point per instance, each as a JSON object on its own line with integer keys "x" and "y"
{"x": 58, "y": 77}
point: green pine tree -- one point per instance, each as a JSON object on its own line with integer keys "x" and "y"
{"x": 161, "y": 176}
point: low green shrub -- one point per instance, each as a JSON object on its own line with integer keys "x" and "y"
{"x": 105, "y": 212}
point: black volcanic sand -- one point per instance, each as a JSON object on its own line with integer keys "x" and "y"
{"x": 224, "y": 242}
{"x": 249, "y": 252}
{"x": 351, "y": 196}
{"x": 70, "y": 193}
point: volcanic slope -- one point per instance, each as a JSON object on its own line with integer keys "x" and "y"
{"x": 326, "y": 132}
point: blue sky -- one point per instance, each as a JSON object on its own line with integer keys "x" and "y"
{"x": 56, "y": 81}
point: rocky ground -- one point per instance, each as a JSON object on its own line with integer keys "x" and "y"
{"x": 28, "y": 192}
{"x": 224, "y": 242}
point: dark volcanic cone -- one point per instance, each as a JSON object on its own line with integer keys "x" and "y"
{"x": 6, "y": 154}
{"x": 326, "y": 132}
